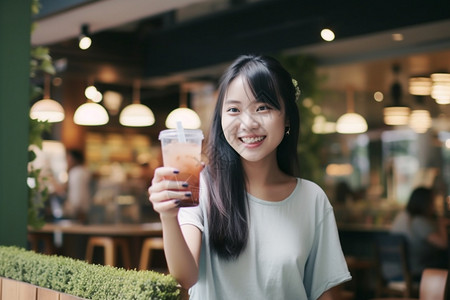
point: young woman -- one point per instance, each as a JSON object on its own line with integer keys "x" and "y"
{"x": 426, "y": 234}
{"x": 259, "y": 231}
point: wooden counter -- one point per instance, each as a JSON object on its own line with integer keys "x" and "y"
{"x": 73, "y": 237}
{"x": 144, "y": 229}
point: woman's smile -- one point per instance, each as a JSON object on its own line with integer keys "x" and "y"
{"x": 252, "y": 141}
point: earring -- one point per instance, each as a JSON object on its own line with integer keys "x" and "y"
{"x": 288, "y": 130}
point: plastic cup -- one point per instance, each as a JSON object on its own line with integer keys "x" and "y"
{"x": 185, "y": 157}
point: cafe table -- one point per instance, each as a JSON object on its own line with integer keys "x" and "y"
{"x": 69, "y": 231}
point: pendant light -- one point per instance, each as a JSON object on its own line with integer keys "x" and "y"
{"x": 183, "y": 114}
{"x": 396, "y": 114}
{"x": 84, "y": 39}
{"x": 440, "y": 90}
{"x": 437, "y": 86}
{"x": 420, "y": 86}
{"x": 136, "y": 114}
{"x": 420, "y": 120}
{"x": 351, "y": 122}
{"x": 91, "y": 114}
{"x": 47, "y": 109}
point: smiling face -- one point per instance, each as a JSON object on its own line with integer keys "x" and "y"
{"x": 253, "y": 129}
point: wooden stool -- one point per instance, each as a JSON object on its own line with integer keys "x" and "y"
{"x": 35, "y": 238}
{"x": 110, "y": 245}
{"x": 148, "y": 246}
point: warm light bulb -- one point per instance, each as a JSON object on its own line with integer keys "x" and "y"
{"x": 98, "y": 97}
{"x": 420, "y": 120}
{"x": 90, "y": 92}
{"x": 47, "y": 110}
{"x": 396, "y": 115}
{"x": 378, "y": 96}
{"x": 90, "y": 114}
{"x": 351, "y": 123}
{"x": 137, "y": 115}
{"x": 398, "y": 37}
{"x": 85, "y": 42}
{"x": 327, "y": 34}
{"x": 186, "y": 116}
{"x": 420, "y": 86}
{"x": 440, "y": 90}
{"x": 322, "y": 126}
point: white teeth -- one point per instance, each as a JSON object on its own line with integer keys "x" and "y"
{"x": 252, "y": 140}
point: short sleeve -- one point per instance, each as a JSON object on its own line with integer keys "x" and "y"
{"x": 326, "y": 266}
{"x": 191, "y": 216}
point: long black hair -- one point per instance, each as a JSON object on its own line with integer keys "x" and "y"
{"x": 228, "y": 218}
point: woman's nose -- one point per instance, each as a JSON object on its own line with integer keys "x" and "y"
{"x": 249, "y": 121}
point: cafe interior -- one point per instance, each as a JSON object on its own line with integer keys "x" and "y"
{"x": 374, "y": 104}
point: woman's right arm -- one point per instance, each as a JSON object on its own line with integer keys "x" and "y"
{"x": 181, "y": 244}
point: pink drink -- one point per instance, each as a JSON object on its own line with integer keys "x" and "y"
{"x": 186, "y": 157}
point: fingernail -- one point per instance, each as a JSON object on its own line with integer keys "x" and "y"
{"x": 184, "y": 184}
{"x": 177, "y": 202}
{"x": 176, "y": 171}
{"x": 188, "y": 194}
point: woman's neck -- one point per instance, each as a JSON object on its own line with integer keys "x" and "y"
{"x": 261, "y": 172}
{"x": 266, "y": 181}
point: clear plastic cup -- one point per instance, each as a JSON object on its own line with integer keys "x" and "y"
{"x": 184, "y": 156}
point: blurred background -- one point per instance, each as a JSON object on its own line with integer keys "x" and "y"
{"x": 170, "y": 54}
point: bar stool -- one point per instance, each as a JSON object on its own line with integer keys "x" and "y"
{"x": 148, "y": 246}
{"x": 35, "y": 239}
{"x": 110, "y": 245}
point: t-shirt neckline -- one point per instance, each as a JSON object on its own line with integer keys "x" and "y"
{"x": 274, "y": 203}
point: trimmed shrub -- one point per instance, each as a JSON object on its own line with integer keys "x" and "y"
{"x": 89, "y": 281}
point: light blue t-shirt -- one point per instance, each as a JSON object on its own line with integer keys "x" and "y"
{"x": 293, "y": 250}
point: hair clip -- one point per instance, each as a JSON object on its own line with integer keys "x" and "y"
{"x": 297, "y": 89}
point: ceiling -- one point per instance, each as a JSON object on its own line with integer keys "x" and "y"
{"x": 58, "y": 21}
{"x": 173, "y": 41}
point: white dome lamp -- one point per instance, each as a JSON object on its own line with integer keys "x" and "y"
{"x": 351, "y": 122}
{"x": 91, "y": 113}
{"x": 188, "y": 118}
{"x": 47, "y": 109}
{"x": 136, "y": 114}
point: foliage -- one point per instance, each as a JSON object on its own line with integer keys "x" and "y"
{"x": 40, "y": 61}
{"x": 303, "y": 69}
{"x": 78, "y": 278}
{"x": 38, "y": 192}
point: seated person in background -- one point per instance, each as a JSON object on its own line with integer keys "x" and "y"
{"x": 343, "y": 200}
{"x": 426, "y": 235}
{"x": 77, "y": 192}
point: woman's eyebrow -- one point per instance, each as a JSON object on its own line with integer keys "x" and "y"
{"x": 232, "y": 101}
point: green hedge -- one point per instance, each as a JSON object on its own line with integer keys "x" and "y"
{"x": 78, "y": 278}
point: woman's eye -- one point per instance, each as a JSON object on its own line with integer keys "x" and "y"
{"x": 233, "y": 110}
{"x": 263, "y": 107}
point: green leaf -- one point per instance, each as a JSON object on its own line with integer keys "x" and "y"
{"x": 47, "y": 67}
{"x": 31, "y": 155}
{"x": 41, "y": 53}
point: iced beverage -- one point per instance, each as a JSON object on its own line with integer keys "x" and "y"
{"x": 184, "y": 156}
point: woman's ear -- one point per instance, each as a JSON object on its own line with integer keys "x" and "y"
{"x": 287, "y": 127}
